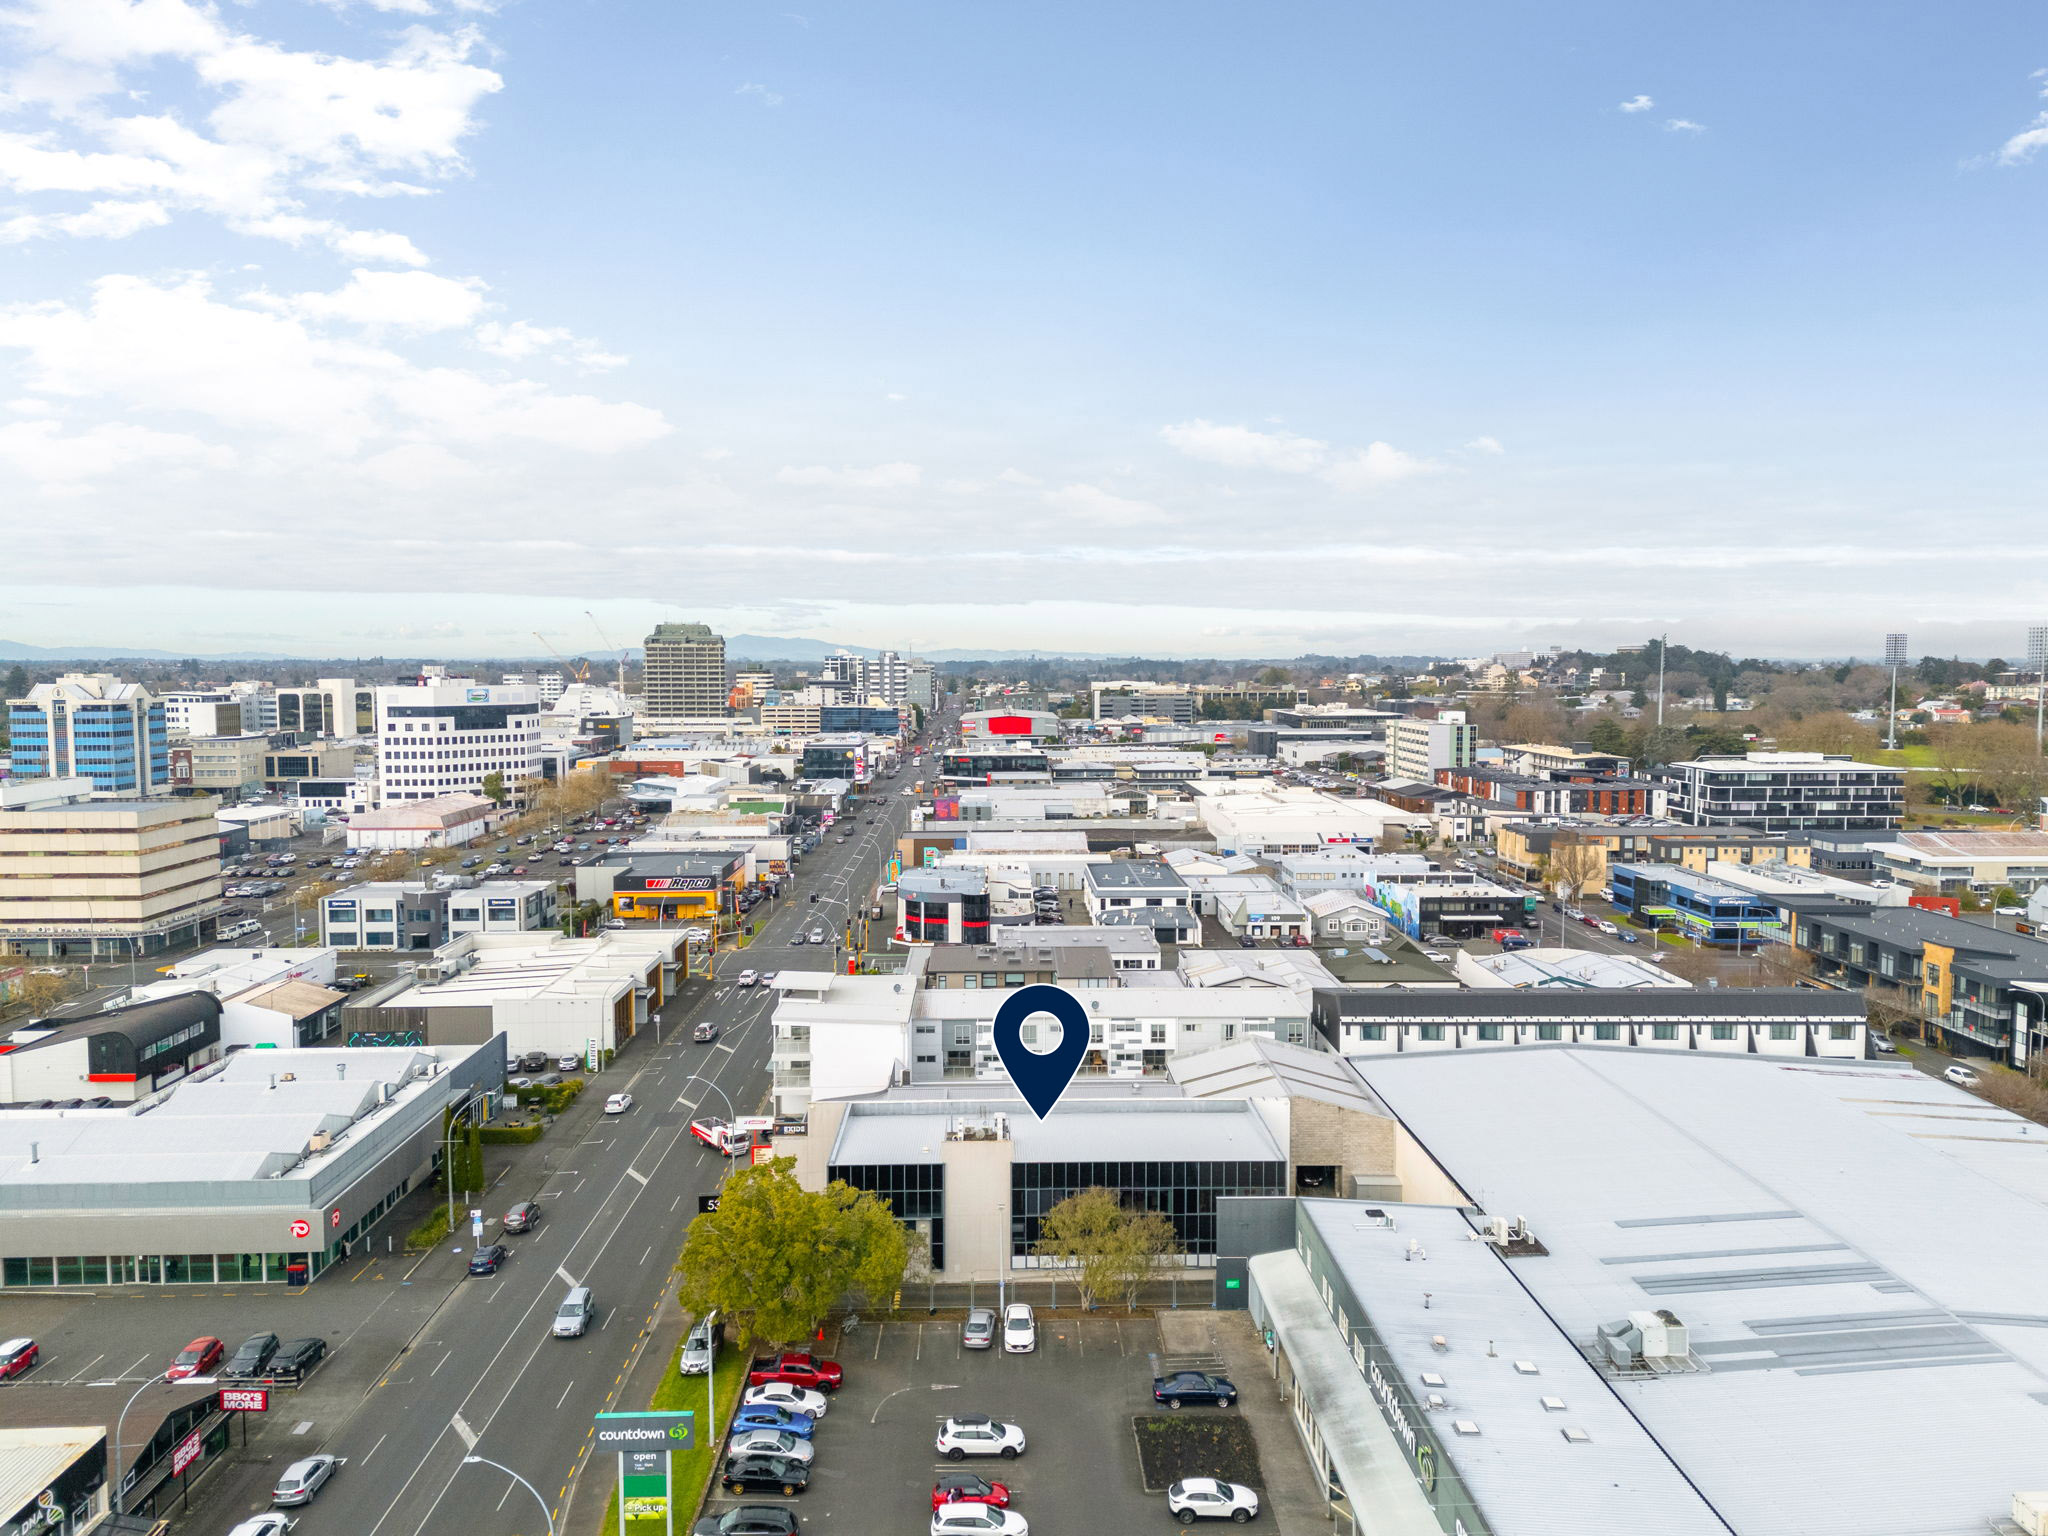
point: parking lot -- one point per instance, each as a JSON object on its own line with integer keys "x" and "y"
{"x": 1074, "y": 1397}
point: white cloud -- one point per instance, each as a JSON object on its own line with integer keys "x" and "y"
{"x": 760, "y": 93}
{"x": 1098, "y": 505}
{"x": 60, "y": 462}
{"x": 110, "y": 219}
{"x": 406, "y": 301}
{"x": 1018, "y": 477}
{"x": 1373, "y": 467}
{"x": 1484, "y": 445}
{"x": 1242, "y": 447}
{"x": 523, "y": 339}
{"x": 1684, "y": 125}
{"x": 877, "y": 477}
{"x": 134, "y": 348}
{"x": 2022, "y": 146}
{"x": 285, "y": 123}
{"x": 1637, "y": 104}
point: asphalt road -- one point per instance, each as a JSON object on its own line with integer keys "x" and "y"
{"x": 485, "y": 1375}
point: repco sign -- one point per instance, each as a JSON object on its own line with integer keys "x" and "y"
{"x": 646, "y": 1431}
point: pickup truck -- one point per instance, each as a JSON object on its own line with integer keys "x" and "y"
{"x": 798, "y": 1370}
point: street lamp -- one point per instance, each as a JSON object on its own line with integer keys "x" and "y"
{"x": 730, "y": 1111}
{"x": 119, "y": 1472}
{"x": 546, "y": 1513}
{"x": 1894, "y": 657}
{"x": 448, "y": 1149}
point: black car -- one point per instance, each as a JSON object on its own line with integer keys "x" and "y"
{"x": 1193, "y": 1387}
{"x": 251, "y": 1357}
{"x": 295, "y": 1359}
{"x": 748, "y": 1520}
{"x": 744, "y": 1473}
{"x": 485, "y": 1260}
{"x": 523, "y": 1217}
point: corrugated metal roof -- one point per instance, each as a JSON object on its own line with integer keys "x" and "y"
{"x": 31, "y": 1460}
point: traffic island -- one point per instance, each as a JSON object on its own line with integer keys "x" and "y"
{"x": 1207, "y": 1443}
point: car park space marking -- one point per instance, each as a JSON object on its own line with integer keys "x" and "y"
{"x": 72, "y": 1381}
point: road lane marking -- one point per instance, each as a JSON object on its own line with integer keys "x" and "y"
{"x": 567, "y": 1278}
{"x": 564, "y": 1397}
{"x": 375, "y": 1448}
{"x": 437, "y": 1371}
{"x": 461, "y": 1427}
{"x": 635, "y": 1173}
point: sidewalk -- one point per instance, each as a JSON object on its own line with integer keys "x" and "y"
{"x": 1290, "y": 1492}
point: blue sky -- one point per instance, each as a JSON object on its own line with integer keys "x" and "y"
{"x": 1192, "y": 328}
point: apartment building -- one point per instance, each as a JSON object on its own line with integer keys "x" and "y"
{"x": 81, "y": 874}
{"x": 1787, "y": 792}
{"x": 92, "y": 725}
{"x": 219, "y": 765}
{"x": 447, "y": 736}
{"x": 685, "y": 672}
{"x": 1148, "y": 701}
{"x": 1416, "y": 749}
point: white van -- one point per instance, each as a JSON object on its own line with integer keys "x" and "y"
{"x": 247, "y": 928}
{"x": 572, "y": 1317}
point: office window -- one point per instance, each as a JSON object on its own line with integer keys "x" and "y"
{"x": 1489, "y": 1032}
{"x": 1664, "y": 1031}
{"x": 1430, "y": 1031}
{"x": 1841, "y": 1031}
{"x": 1784, "y": 1031}
{"x": 1724, "y": 1031}
{"x": 1546, "y": 1031}
{"x": 1606, "y": 1031}
{"x": 1371, "y": 1031}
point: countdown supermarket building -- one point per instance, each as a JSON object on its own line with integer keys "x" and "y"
{"x": 262, "y": 1167}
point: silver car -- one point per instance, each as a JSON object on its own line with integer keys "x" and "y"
{"x": 303, "y": 1479}
{"x": 770, "y": 1442}
{"x": 979, "y": 1332}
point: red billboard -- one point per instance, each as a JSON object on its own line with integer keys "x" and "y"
{"x": 1009, "y": 725}
{"x": 245, "y": 1400}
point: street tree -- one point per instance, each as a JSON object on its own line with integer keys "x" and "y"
{"x": 1575, "y": 863}
{"x": 1112, "y": 1246}
{"x": 42, "y": 992}
{"x": 494, "y": 788}
{"x": 776, "y": 1257}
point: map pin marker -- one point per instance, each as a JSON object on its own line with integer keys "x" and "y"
{"x": 1041, "y": 1076}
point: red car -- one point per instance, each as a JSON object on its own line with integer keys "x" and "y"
{"x": 968, "y": 1488}
{"x": 797, "y": 1370}
{"x": 16, "y": 1356}
{"x": 195, "y": 1359}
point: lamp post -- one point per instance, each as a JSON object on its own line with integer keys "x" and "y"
{"x": 711, "y": 1374}
{"x": 546, "y": 1513}
{"x": 448, "y": 1149}
{"x": 730, "y": 1111}
{"x": 117, "y": 1474}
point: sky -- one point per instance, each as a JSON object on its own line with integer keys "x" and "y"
{"x": 339, "y": 327}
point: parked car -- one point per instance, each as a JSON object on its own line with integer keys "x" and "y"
{"x": 770, "y": 1442}
{"x": 705, "y": 1033}
{"x": 303, "y": 1479}
{"x": 742, "y": 1474}
{"x": 269, "y": 1523}
{"x": 198, "y": 1358}
{"x": 783, "y": 1394}
{"x": 523, "y": 1217}
{"x": 1437, "y": 955}
{"x": 251, "y": 1357}
{"x": 618, "y": 1103}
{"x": 1961, "y": 1076}
{"x": 802, "y": 1370}
{"x": 696, "y": 1356}
{"x": 969, "y": 1488}
{"x": 1209, "y": 1498}
{"x": 568, "y": 1063}
{"x": 748, "y": 1520}
{"x": 975, "y": 1519}
{"x": 533, "y": 1061}
{"x": 796, "y": 938}
{"x": 979, "y": 1331}
{"x": 976, "y": 1434}
{"x": 1883, "y": 1046}
{"x": 1020, "y": 1329}
{"x": 1193, "y": 1387}
{"x": 296, "y": 1359}
{"x": 18, "y": 1356}
{"x": 486, "y": 1259}
{"x": 770, "y": 1416}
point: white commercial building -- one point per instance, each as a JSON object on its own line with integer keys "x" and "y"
{"x": 1267, "y": 823}
{"x": 1560, "y": 968}
{"x": 1417, "y": 748}
{"x": 447, "y": 821}
{"x": 449, "y": 735}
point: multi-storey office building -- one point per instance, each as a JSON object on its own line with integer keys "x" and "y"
{"x": 685, "y": 672}
{"x": 1706, "y": 908}
{"x": 92, "y": 725}
{"x": 333, "y": 706}
{"x": 1787, "y": 792}
{"x": 448, "y": 736}
{"x": 1163, "y": 701}
{"x": 408, "y": 915}
{"x": 1417, "y": 748}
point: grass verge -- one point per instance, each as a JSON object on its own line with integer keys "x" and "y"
{"x": 689, "y": 1471}
{"x": 430, "y": 1231}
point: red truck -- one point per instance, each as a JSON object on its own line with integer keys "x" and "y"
{"x": 798, "y": 1370}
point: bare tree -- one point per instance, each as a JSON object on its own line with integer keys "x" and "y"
{"x": 1574, "y": 864}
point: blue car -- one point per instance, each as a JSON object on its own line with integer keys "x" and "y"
{"x": 769, "y": 1416}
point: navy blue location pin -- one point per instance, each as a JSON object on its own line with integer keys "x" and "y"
{"x": 1041, "y": 1077}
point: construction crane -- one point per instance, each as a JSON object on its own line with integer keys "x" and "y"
{"x": 609, "y": 646}
{"x": 577, "y": 674}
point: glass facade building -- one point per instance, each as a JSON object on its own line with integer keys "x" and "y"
{"x": 1184, "y": 1192}
{"x": 915, "y": 1191}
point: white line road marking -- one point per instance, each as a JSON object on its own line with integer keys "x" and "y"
{"x": 461, "y": 1427}
{"x": 673, "y": 1204}
{"x": 437, "y": 1371}
{"x": 131, "y": 1369}
{"x": 635, "y": 1173}
{"x": 647, "y": 1255}
{"x": 74, "y": 1380}
{"x": 375, "y": 1448}
{"x": 564, "y": 1397}
{"x": 567, "y": 1278}
{"x": 305, "y": 1427}
{"x": 722, "y": 1048}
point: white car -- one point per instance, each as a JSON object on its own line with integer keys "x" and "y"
{"x": 1883, "y": 1046}
{"x": 2010, "y": 911}
{"x": 1020, "y": 1329}
{"x": 270, "y": 1523}
{"x": 746, "y": 978}
{"x": 1437, "y": 955}
{"x": 696, "y": 935}
{"x": 770, "y": 1442}
{"x": 976, "y": 1434}
{"x": 1961, "y": 1076}
{"x": 783, "y": 1394}
{"x": 978, "y": 1520}
{"x": 1209, "y": 1498}
{"x": 618, "y": 1103}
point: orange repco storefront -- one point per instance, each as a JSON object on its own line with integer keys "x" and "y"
{"x": 677, "y": 887}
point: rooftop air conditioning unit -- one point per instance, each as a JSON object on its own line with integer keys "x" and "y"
{"x": 1663, "y": 1335}
{"x": 2030, "y": 1513}
{"x": 1497, "y": 1230}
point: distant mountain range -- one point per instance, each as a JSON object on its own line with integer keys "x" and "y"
{"x": 14, "y": 650}
{"x": 800, "y": 648}
{"x": 737, "y": 648}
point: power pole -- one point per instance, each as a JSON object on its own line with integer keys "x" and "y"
{"x": 2037, "y": 663}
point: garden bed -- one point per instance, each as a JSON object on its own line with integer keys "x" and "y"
{"x": 1172, "y": 1446}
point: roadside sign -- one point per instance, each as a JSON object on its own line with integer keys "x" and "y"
{"x": 245, "y": 1399}
{"x": 646, "y": 1431}
{"x": 185, "y": 1453}
{"x": 706, "y": 1204}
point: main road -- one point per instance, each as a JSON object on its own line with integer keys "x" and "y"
{"x": 486, "y": 1376}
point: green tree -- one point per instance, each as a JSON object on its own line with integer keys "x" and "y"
{"x": 494, "y": 787}
{"x": 1114, "y": 1248}
{"x": 1607, "y": 734}
{"x": 1272, "y": 677}
{"x": 16, "y": 686}
{"x": 776, "y": 1257}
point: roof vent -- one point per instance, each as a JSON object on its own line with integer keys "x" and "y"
{"x": 1577, "y": 1436}
{"x": 1435, "y": 1402}
{"x": 1552, "y": 1404}
{"x": 1527, "y": 1368}
{"x": 1465, "y": 1426}
{"x": 1431, "y": 1379}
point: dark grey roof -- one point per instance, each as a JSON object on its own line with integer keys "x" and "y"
{"x": 1979, "y": 948}
{"x": 1516, "y": 1005}
{"x": 143, "y": 1023}
{"x": 1133, "y": 874}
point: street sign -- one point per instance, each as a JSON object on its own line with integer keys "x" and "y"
{"x": 245, "y": 1399}
{"x": 302, "y": 1229}
{"x": 706, "y": 1204}
{"x": 646, "y": 1431}
{"x": 186, "y": 1452}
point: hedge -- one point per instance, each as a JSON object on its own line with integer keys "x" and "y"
{"x": 512, "y": 1135}
{"x": 430, "y": 1231}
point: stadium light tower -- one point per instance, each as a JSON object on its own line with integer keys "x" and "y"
{"x": 1894, "y": 657}
{"x": 2037, "y": 663}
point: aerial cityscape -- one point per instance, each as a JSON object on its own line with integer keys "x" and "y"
{"x": 766, "y": 772}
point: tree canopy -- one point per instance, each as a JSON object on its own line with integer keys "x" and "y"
{"x": 1113, "y": 1246}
